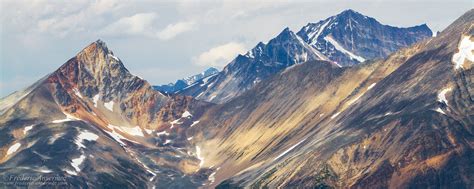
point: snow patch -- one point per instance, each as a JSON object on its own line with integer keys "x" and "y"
{"x": 162, "y": 133}
{"x": 355, "y": 99}
{"x": 55, "y": 137}
{"x": 198, "y": 155}
{"x": 44, "y": 170}
{"x": 190, "y": 138}
{"x": 338, "y": 65}
{"x": 68, "y": 118}
{"x": 320, "y": 30}
{"x": 70, "y": 172}
{"x": 109, "y": 105}
{"x": 13, "y": 148}
{"x": 212, "y": 97}
{"x": 371, "y": 86}
{"x": 342, "y": 49}
{"x": 186, "y": 114}
{"x": 175, "y": 122}
{"x": 335, "y": 115}
{"x": 116, "y": 136}
{"x": 76, "y": 91}
{"x": 114, "y": 57}
{"x": 250, "y": 54}
{"x": 85, "y": 135}
{"x": 77, "y": 162}
{"x": 212, "y": 177}
{"x": 289, "y": 149}
{"x": 442, "y": 96}
{"x": 135, "y": 131}
{"x": 27, "y": 128}
{"x": 465, "y": 48}
{"x": 167, "y": 141}
{"x": 96, "y": 99}
{"x": 200, "y": 94}
{"x": 440, "y": 111}
{"x": 206, "y": 79}
{"x": 257, "y": 80}
{"x": 194, "y": 123}
{"x": 147, "y": 169}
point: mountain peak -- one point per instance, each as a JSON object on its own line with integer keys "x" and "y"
{"x": 186, "y": 82}
{"x": 101, "y": 44}
{"x": 286, "y": 34}
{"x": 211, "y": 69}
{"x": 350, "y": 34}
{"x": 422, "y": 27}
{"x": 349, "y": 11}
{"x": 95, "y": 61}
{"x": 95, "y": 70}
{"x": 95, "y": 51}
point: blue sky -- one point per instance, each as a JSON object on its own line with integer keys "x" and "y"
{"x": 162, "y": 41}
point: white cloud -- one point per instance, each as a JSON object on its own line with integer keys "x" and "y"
{"x": 58, "y": 18}
{"x": 144, "y": 24}
{"x": 172, "y": 30}
{"x": 219, "y": 56}
{"x": 138, "y": 24}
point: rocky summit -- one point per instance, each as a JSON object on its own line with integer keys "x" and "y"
{"x": 95, "y": 124}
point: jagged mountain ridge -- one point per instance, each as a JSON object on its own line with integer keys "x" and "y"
{"x": 186, "y": 82}
{"x": 98, "y": 125}
{"x": 246, "y": 70}
{"x": 368, "y": 38}
{"x": 362, "y": 37}
{"x": 402, "y": 122}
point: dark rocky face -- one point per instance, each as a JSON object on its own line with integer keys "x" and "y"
{"x": 347, "y": 39}
{"x": 361, "y": 35}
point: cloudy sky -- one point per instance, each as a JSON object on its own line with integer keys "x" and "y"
{"x": 162, "y": 41}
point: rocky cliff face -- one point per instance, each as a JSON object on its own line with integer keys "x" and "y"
{"x": 350, "y": 37}
{"x": 402, "y": 122}
{"x": 345, "y": 39}
{"x": 98, "y": 125}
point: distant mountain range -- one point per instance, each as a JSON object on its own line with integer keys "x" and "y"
{"x": 343, "y": 103}
{"x": 345, "y": 39}
{"x": 186, "y": 82}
